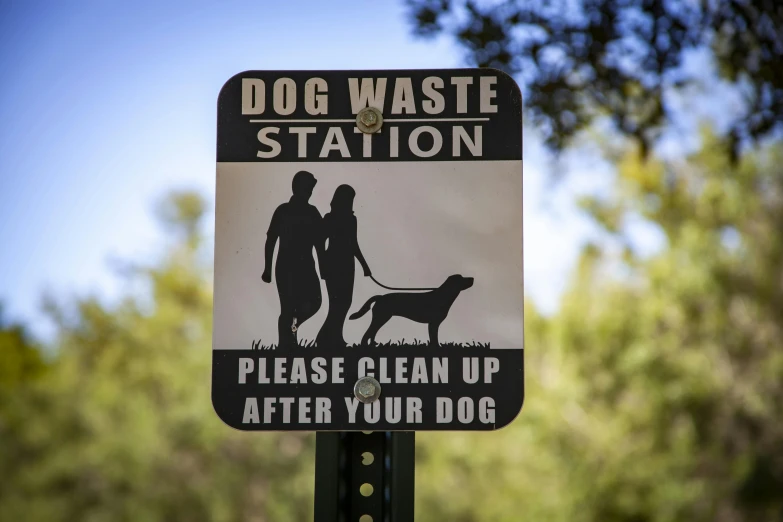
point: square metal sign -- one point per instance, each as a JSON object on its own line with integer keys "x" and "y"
{"x": 368, "y": 251}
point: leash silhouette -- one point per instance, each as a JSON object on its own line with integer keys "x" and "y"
{"x": 400, "y": 289}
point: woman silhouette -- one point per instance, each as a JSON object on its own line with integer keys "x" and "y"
{"x": 339, "y": 229}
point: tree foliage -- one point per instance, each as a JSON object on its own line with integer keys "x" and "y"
{"x": 121, "y": 428}
{"x": 21, "y": 360}
{"x": 582, "y": 59}
{"x": 654, "y": 394}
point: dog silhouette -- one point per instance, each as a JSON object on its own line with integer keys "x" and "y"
{"x": 430, "y": 308}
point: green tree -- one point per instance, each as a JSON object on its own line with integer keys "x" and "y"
{"x": 656, "y": 392}
{"x": 21, "y": 359}
{"x": 122, "y": 427}
{"x": 653, "y": 395}
{"x": 583, "y": 59}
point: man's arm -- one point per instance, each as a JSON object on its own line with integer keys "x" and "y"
{"x": 320, "y": 242}
{"x": 269, "y": 249}
{"x": 269, "y": 254}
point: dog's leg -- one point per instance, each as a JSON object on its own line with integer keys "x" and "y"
{"x": 378, "y": 320}
{"x": 366, "y": 337}
{"x": 369, "y": 335}
{"x": 433, "y": 327}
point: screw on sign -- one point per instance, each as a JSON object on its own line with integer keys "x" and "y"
{"x": 367, "y": 390}
{"x": 368, "y": 239}
{"x": 368, "y": 117}
{"x": 369, "y": 120}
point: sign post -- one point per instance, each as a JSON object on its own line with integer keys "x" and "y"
{"x": 368, "y": 267}
{"x": 364, "y": 474}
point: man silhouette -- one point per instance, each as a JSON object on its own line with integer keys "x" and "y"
{"x": 297, "y": 224}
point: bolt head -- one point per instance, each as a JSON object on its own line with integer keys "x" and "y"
{"x": 369, "y": 118}
{"x": 367, "y": 390}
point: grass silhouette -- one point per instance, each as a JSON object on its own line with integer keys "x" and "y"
{"x": 416, "y": 343}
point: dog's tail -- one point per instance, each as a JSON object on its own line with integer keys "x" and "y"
{"x": 365, "y": 308}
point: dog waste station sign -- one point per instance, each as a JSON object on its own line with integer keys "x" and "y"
{"x": 368, "y": 251}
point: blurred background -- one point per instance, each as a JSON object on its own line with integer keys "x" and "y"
{"x": 653, "y": 258}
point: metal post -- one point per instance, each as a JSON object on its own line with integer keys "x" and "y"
{"x": 364, "y": 476}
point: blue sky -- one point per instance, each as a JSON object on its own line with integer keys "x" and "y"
{"x": 105, "y": 106}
